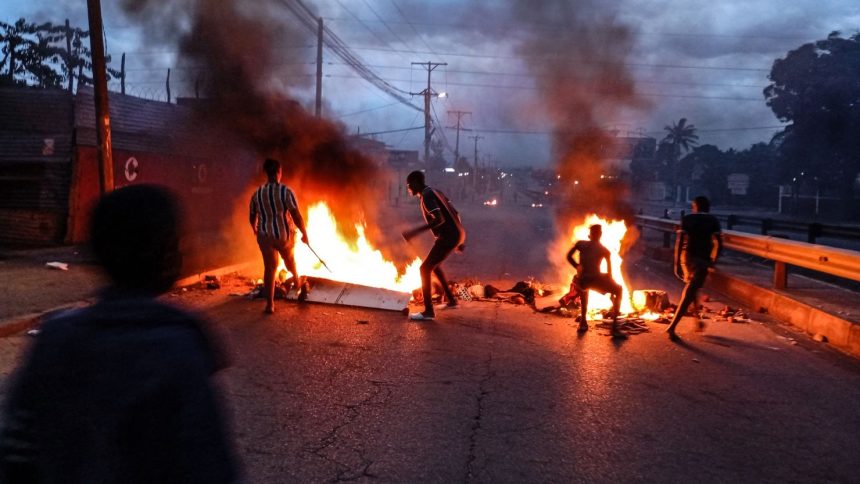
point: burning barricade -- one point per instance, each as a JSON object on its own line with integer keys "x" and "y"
{"x": 354, "y": 273}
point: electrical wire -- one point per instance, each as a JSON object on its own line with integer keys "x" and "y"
{"x": 344, "y": 52}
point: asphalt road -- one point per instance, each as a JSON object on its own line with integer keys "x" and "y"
{"x": 498, "y": 393}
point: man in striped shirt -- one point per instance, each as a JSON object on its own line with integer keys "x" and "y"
{"x": 274, "y": 216}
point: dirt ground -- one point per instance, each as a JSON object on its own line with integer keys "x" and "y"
{"x": 28, "y": 286}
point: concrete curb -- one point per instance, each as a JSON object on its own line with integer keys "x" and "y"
{"x": 220, "y": 271}
{"x": 841, "y": 333}
{"x": 17, "y": 324}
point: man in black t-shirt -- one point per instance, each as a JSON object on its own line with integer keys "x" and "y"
{"x": 444, "y": 221}
{"x": 590, "y": 278}
{"x": 697, "y": 246}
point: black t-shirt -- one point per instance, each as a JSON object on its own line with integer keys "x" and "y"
{"x": 700, "y": 228}
{"x": 433, "y": 200}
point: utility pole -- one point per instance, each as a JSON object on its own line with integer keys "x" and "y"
{"x": 427, "y": 93}
{"x": 97, "y": 49}
{"x": 318, "y": 110}
{"x": 476, "y": 138}
{"x": 475, "y": 178}
{"x": 460, "y": 115}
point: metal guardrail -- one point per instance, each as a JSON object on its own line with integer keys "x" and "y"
{"x": 829, "y": 260}
{"x": 813, "y": 230}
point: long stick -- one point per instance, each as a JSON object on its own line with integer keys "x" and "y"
{"x": 319, "y": 258}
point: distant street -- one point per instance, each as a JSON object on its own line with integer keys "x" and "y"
{"x": 498, "y": 393}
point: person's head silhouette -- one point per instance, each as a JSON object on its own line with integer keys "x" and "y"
{"x": 134, "y": 234}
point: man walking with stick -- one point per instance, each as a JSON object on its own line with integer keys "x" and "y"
{"x": 274, "y": 214}
{"x": 444, "y": 221}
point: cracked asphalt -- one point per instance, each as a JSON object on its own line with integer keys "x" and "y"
{"x": 494, "y": 392}
{"x": 497, "y": 393}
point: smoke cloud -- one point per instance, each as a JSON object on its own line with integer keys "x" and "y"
{"x": 584, "y": 85}
{"x": 577, "y": 51}
{"x": 248, "y": 67}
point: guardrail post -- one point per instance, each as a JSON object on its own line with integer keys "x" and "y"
{"x": 780, "y": 275}
{"x": 766, "y": 225}
{"x": 731, "y": 221}
{"x": 813, "y": 232}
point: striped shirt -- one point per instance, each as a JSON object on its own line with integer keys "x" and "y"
{"x": 451, "y": 229}
{"x": 270, "y": 207}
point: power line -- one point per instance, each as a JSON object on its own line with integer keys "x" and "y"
{"x": 369, "y": 109}
{"x": 399, "y": 39}
{"x": 533, "y": 88}
{"x": 402, "y": 138}
{"x": 566, "y": 28}
{"x": 343, "y": 51}
{"x": 550, "y": 132}
{"x": 364, "y": 24}
{"x": 488, "y": 73}
{"x": 572, "y": 78}
{"x": 392, "y": 131}
{"x": 557, "y": 58}
{"x": 413, "y": 28}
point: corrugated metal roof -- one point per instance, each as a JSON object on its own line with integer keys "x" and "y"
{"x": 140, "y": 124}
{"x": 35, "y": 110}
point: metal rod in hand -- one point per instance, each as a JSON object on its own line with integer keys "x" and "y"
{"x": 319, "y": 258}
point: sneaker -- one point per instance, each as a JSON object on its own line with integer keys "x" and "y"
{"x": 673, "y": 336}
{"x": 583, "y": 327}
{"x": 421, "y": 317}
{"x": 446, "y": 307}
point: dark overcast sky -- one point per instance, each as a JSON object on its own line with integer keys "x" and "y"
{"x": 707, "y": 61}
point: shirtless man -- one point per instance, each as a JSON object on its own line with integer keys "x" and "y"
{"x": 589, "y": 277}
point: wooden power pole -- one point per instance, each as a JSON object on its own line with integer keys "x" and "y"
{"x": 427, "y": 93}
{"x": 105, "y": 151}
{"x": 459, "y": 115}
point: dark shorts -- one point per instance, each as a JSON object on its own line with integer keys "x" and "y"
{"x": 695, "y": 270}
{"x": 601, "y": 283}
{"x": 271, "y": 247}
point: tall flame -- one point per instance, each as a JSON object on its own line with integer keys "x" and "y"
{"x": 613, "y": 235}
{"x": 356, "y": 262}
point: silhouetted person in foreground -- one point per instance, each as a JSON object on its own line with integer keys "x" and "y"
{"x": 444, "y": 221}
{"x": 589, "y": 277}
{"x": 697, "y": 247}
{"x": 274, "y": 216}
{"x": 120, "y": 392}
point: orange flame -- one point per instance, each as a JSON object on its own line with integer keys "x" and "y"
{"x": 613, "y": 234}
{"x": 356, "y": 262}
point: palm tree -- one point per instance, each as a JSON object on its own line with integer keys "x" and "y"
{"x": 681, "y": 136}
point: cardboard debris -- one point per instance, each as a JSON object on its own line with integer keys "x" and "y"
{"x": 326, "y": 291}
